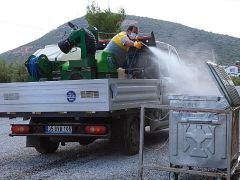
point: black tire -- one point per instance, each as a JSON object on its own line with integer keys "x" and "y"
{"x": 131, "y": 135}
{"x": 86, "y": 141}
{"x": 91, "y": 43}
{"x": 46, "y": 146}
{"x": 236, "y": 177}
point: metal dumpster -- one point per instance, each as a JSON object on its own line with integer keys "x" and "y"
{"x": 199, "y": 139}
{"x": 203, "y": 131}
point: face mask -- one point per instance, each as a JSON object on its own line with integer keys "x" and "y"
{"x": 132, "y": 35}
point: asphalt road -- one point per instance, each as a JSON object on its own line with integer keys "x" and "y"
{"x": 99, "y": 160}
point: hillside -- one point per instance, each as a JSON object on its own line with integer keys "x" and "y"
{"x": 191, "y": 43}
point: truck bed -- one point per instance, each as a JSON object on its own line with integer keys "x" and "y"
{"x": 78, "y": 95}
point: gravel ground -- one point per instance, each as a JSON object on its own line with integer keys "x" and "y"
{"x": 99, "y": 160}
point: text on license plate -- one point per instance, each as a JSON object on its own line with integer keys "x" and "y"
{"x": 58, "y": 129}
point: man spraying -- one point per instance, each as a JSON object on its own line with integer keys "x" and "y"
{"x": 120, "y": 44}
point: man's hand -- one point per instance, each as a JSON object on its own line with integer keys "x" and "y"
{"x": 137, "y": 44}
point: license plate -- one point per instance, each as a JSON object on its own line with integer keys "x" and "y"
{"x": 58, "y": 129}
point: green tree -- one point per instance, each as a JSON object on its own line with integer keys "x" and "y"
{"x": 5, "y": 72}
{"x": 19, "y": 73}
{"x": 105, "y": 20}
{"x": 13, "y": 72}
{"x": 236, "y": 81}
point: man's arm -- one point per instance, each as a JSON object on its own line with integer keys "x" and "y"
{"x": 140, "y": 38}
{"x": 129, "y": 43}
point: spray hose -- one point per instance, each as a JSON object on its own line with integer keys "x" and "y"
{"x": 144, "y": 44}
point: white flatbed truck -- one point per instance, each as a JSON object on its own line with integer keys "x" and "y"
{"x": 80, "y": 111}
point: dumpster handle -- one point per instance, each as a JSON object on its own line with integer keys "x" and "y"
{"x": 199, "y": 121}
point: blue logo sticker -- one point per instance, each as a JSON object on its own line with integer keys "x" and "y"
{"x": 71, "y": 96}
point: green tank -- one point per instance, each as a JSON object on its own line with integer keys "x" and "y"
{"x": 106, "y": 65}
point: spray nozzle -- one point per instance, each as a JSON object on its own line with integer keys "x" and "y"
{"x": 144, "y": 44}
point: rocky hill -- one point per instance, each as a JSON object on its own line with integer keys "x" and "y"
{"x": 191, "y": 43}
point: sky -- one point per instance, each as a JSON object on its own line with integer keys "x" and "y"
{"x": 23, "y": 21}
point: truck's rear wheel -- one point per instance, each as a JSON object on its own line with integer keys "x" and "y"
{"x": 46, "y": 146}
{"x": 131, "y": 135}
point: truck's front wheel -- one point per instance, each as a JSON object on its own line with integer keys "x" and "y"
{"x": 46, "y": 146}
{"x": 131, "y": 135}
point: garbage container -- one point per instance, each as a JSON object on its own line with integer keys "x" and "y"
{"x": 203, "y": 131}
{"x": 199, "y": 139}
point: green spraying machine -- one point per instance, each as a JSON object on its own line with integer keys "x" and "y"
{"x": 91, "y": 63}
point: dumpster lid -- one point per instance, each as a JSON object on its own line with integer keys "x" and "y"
{"x": 224, "y": 84}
